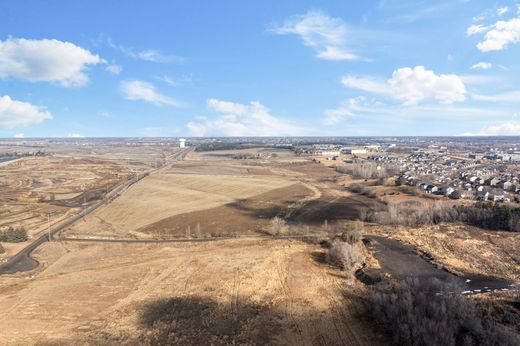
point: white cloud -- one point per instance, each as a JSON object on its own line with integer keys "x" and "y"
{"x": 45, "y": 61}
{"x": 480, "y": 79}
{"x": 18, "y": 114}
{"x": 325, "y": 34}
{"x": 105, "y": 114}
{"x": 369, "y": 84}
{"x": 74, "y": 135}
{"x": 154, "y": 56}
{"x": 137, "y": 90}
{"x": 175, "y": 81}
{"x": 380, "y": 117}
{"x": 19, "y": 135}
{"x": 476, "y": 29}
{"x": 150, "y": 55}
{"x": 499, "y": 35}
{"x": 502, "y": 10}
{"x": 508, "y": 128}
{"x": 482, "y": 66}
{"x": 335, "y": 53}
{"x": 114, "y": 69}
{"x": 237, "y": 119}
{"x": 347, "y": 109}
{"x": 511, "y": 96}
{"x": 413, "y": 85}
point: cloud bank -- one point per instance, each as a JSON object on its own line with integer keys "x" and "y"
{"x": 45, "y": 61}
{"x": 236, "y": 119}
{"x": 19, "y": 114}
{"x": 412, "y": 86}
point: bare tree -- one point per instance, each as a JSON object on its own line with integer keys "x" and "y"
{"x": 198, "y": 232}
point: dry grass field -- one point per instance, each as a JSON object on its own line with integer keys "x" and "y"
{"x": 209, "y": 191}
{"x": 242, "y": 291}
{"x": 220, "y": 281}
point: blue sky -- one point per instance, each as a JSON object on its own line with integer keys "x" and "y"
{"x": 259, "y": 68}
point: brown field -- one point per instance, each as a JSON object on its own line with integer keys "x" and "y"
{"x": 221, "y": 281}
{"x": 149, "y": 206}
{"x": 32, "y": 187}
{"x": 267, "y": 292}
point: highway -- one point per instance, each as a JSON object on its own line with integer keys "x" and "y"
{"x": 22, "y": 261}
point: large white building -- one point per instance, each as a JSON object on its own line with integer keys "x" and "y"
{"x": 182, "y": 143}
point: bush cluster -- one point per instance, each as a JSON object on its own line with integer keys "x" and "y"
{"x": 416, "y": 312}
{"x": 278, "y": 226}
{"x": 416, "y": 213}
{"x": 2, "y": 250}
{"x": 13, "y": 235}
{"x": 344, "y": 255}
{"x": 367, "y": 170}
{"x": 362, "y": 190}
{"x": 344, "y": 251}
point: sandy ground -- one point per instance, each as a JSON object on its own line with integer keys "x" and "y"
{"x": 97, "y": 293}
{"x": 33, "y": 186}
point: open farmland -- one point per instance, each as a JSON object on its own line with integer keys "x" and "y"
{"x": 272, "y": 292}
{"x": 216, "y": 194}
{"x": 187, "y": 255}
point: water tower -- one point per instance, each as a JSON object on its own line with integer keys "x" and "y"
{"x": 182, "y": 143}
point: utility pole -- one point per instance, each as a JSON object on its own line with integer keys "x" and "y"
{"x": 49, "y": 225}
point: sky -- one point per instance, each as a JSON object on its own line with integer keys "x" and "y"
{"x": 93, "y": 68}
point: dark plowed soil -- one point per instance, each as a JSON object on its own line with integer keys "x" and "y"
{"x": 400, "y": 260}
{"x": 333, "y": 208}
{"x": 243, "y": 216}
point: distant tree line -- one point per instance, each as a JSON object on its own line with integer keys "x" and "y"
{"x": 415, "y": 214}
{"x": 491, "y": 216}
{"x": 225, "y": 146}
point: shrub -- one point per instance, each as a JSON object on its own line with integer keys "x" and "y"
{"x": 433, "y": 313}
{"x": 344, "y": 255}
{"x": 2, "y": 250}
{"x": 352, "y": 233}
{"x": 278, "y": 226}
{"x": 13, "y": 235}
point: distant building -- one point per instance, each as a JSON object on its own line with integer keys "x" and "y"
{"x": 182, "y": 143}
{"x": 354, "y": 151}
{"x": 327, "y": 152}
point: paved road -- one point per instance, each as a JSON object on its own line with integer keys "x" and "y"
{"x": 22, "y": 261}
